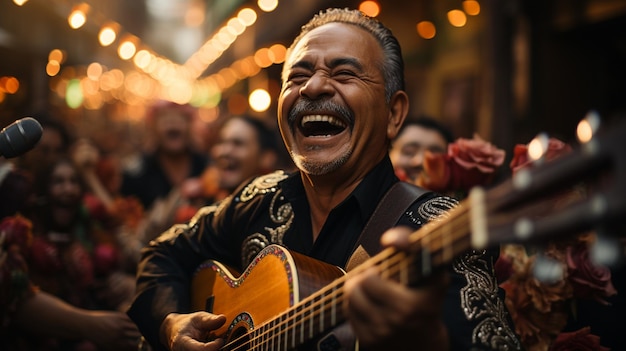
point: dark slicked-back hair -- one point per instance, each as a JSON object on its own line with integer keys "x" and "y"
{"x": 430, "y": 123}
{"x": 266, "y": 136}
{"x": 393, "y": 64}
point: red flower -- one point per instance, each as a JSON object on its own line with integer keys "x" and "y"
{"x": 106, "y": 259}
{"x": 589, "y": 281}
{"x": 556, "y": 148}
{"x": 503, "y": 268}
{"x": 468, "y": 163}
{"x": 45, "y": 256}
{"x": 18, "y": 231}
{"x": 580, "y": 340}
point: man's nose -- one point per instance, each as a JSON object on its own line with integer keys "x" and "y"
{"x": 417, "y": 159}
{"x": 316, "y": 86}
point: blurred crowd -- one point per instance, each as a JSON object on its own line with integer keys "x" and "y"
{"x": 75, "y": 216}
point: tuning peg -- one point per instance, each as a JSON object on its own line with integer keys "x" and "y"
{"x": 547, "y": 269}
{"x": 538, "y": 147}
{"x": 606, "y": 250}
{"x": 588, "y": 126}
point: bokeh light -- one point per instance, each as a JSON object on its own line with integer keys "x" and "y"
{"x": 370, "y": 8}
{"x": 457, "y": 18}
{"x": 260, "y": 100}
{"x": 426, "y": 29}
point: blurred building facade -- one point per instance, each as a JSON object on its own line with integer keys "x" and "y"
{"x": 511, "y": 68}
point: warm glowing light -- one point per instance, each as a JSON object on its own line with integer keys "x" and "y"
{"x": 78, "y": 16}
{"x": 56, "y": 55}
{"x": 538, "y": 147}
{"x": 279, "y": 51}
{"x": 126, "y": 50}
{"x": 180, "y": 92}
{"x": 142, "y": 59}
{"x": 588, "y": 126}
{"x": 20, "y": 2}
{"x": 53, "y": 68}
{"x": 236, "y": 25}
{"x": 267, "y": 5}
{"x": 370, "y": 8}
{"x": 259, "y": 100}
{"x": 426, "y": 29}
{"x": 471, "y": 7}
{"x": 108, "y": 34}
{"x": 247, "y": 16}
{"x": 94, "y": 71}
{"x": 11, "y": 85}
{"x": 262, "y": 57}
{"x": 457, "y": 18}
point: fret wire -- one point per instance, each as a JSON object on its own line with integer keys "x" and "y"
{"x": 333, "y": 306}
{"x": 311, "y": 323}
{"x": 323, "y": 307}
{"x": 293, "y": 329}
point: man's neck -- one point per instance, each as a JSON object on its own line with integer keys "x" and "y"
{"x": 324, "y": 194}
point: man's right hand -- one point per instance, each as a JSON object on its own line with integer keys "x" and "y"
{"x": 188, "y": 331}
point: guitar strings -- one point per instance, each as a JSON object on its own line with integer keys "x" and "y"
{"x": 442, "y": 235}
{"x": 394, "y": 261}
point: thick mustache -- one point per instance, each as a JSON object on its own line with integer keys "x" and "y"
{"x": 306, "y": 106}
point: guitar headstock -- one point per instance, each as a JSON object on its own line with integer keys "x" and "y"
{"x": 566, "y": 196}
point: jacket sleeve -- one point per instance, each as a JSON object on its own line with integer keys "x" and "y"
{"x": 167, "y": 265}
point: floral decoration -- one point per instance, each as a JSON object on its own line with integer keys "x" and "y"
{"x": 15, "y": 239}
{"x": 468, "y": 162}
{"x": 539, "y": 309}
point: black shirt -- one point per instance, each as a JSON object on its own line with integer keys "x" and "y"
{"x": 147, "y": 181}
{"x": 273, "y": 209}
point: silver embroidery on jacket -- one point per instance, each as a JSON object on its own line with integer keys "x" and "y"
{"x": 480, "y": 302}
{"x": 281, "y": 213}
{"x": 479, "y": 298}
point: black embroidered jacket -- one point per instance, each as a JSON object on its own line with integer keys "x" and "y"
{"x": 273, "y": 209}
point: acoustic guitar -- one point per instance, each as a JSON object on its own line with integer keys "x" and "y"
{"x": 284, "y": 300}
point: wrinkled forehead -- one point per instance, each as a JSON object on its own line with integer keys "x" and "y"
{"x": 334, "y": 39}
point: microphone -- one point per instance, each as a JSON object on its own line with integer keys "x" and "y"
{"x": 19, "y": 137}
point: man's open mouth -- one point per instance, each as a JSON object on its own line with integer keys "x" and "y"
{"x": 321, "y": 125}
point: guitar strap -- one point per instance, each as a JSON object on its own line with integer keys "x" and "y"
{"x": 387, "y": 213}
{"x": 389, "y": 210}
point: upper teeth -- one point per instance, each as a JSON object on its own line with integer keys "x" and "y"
{"x": 322, "y": 118}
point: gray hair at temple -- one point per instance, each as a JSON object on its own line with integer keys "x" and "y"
{"x": 393, "y": 64}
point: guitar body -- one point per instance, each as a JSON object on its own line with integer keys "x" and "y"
{"x": 276, "y": 280}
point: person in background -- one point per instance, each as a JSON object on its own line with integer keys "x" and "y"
{"x": 415, "y": 137}
{"x": 171, "y": 160}
{"x": 54, "y": 143}
{"x": 342, "y": 102}
{"x": 245, "y": 147}
{"x": 34, "y": 319}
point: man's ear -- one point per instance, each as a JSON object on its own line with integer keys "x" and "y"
{"x": 398, "y": 109}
